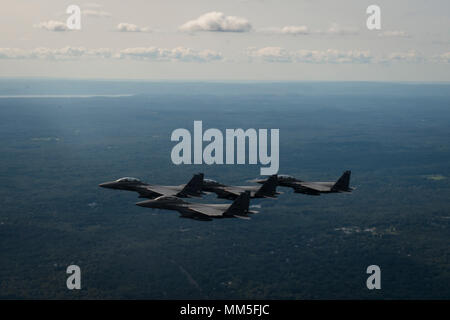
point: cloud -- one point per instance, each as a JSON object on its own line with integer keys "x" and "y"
{"x": 394, "y": 34}
{"x": 410, "y": 56}
{"x": 289, "y": 30}
{"x": 66, "y": 53}
{"x": 277, "y": 54}
{"x": 129, "y": 27}
{"x": 271, "y": 54}
{"x": 176, "y": 54}
{"x": 295, "y": 30}
{"x": 13, "y": 53}
{"x": 95, "y": 13}
{"x": 53, "y": 25}
{"x": 332, "y": 56}
{"x": 443, "y": 58}
{"x": 75, "y": 53}
{"x": 336, "y": 29}
{"x": 217, "y": 22}
{"x": 182, "y": 54}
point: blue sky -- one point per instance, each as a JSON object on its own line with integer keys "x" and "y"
{"x": 315, "y": 40}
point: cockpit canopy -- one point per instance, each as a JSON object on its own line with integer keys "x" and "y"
{"x": 210, "y": 183}
{"x": 128, "y": 179}
{"x": 285, "y": 177}
{"x": 169, "y": 199}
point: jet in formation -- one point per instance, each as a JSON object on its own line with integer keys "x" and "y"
{"x": 201, "y": 211}
{"x": 268, "y": 189}
{"x": 169, "y": 197}
{"x": 192, "y": 189}
{"x": 314, "y": 188}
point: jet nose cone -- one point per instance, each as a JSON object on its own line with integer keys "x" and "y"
{"x": 106, "y": 185}
{"x": 142, "y": 204}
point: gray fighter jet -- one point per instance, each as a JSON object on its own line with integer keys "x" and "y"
{"x": 314, "y": 188}
{"x": 192, "y": 189}
{"x": 201, "y": 211}
{"x": 267, "y": 190}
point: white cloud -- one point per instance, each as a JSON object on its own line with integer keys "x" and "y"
{"x": 75, "y": 53}
{"x": 411, "y": 56}
{"x": 394, "y": 34}
{"x": 13, "y": 53}
{"x": 129, "y": 27}
{"x": 43, "y": 53}
{"x": 295, "y": 30}
{"x": 176, "y": 54}
{"x": 336, "y": 29}
{"x": 289, "y": 30}
{"x": 271, "y": 54}
{"x": 267, "y": 54}
{"x": 217, "y": 22}
{"x": 334, "y": 56}
{"x": 277, "y": 54}
{"x": 443, "y": 58}
{"x": 53, "y": 25}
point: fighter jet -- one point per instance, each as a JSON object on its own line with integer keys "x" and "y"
{"x": 314, "y": 188}
{"x": 283, "y": 180}
{"x": 200, "y": 211}
{"x": 267, "y": 190}
{"x": 192, "y": 189}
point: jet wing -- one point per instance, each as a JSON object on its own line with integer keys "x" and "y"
{"x": 164, "y": 190}
{"x": 207, "y": 210}
{"x": 237, "y": 190}
{"x": 321, "y": 187}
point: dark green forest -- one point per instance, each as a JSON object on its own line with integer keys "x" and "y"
{"x": 54, "y": 151}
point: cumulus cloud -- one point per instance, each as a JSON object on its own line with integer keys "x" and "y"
{"x": 277, "y": 54}
{"x": 53, "y": 25}
{"x": 129, "y": 27}
{"x": 394, "y": 34}
{"x": 74, "y": 53}
{"x": 217, "y": 22}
